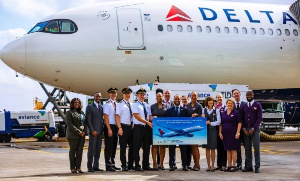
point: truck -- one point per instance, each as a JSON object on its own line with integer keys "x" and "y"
{"x": 273, "y": 116}
{"x": 25, "y": 124}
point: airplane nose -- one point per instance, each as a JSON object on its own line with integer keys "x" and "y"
{"x": 13, "y": 55}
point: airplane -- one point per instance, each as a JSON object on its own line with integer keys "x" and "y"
{"x": 122, "y": 43}
{"x": 178, "y": 132}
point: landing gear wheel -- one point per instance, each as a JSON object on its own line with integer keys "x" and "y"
{"x": 1, "y": 139}
{"x": 6, "y": 138}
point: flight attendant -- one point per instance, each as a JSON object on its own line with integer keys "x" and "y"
{"x": 252, "y": 118}
{"x": 229, "y": 132}
{"x": 195, "y": 110}
{"x": 124, "y": 120}
{"x": 110, "y": 130}
{"x": 213, "y": 120}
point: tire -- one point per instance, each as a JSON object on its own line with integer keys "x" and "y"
{"x": 48, "y": 137}
{"x": 1, "y": 140}
{"x": 62, "y": 130}
{"x": 6, "y": 138}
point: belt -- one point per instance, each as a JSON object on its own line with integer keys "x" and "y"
{"x": 140, "y": 125}
{"x": 126, "y": 124}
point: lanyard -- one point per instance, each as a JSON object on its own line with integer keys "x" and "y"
{"x": 81, "y": 119}
{"x": 145, "y": 111}
{"x": 128, "y": 105}
{"x": 113, "y": 104}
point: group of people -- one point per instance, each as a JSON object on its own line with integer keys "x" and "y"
{"x": 131, "y": 123}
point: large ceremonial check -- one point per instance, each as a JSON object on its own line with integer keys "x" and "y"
{"x": 179, "y": 131}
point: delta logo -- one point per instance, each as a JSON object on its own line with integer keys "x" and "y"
{"x": 176, "y": 14}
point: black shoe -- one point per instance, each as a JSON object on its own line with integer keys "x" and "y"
{"x": 116, "y": 168}
{"x": 190, "y": 168}
{"x": 233, "y": 169}
{"x": 111, "y": 169}
{"x": 227, "y": 169}
{"x": 175, "y": 167}
{"x": 239, "y": 168}
{"x": 172, "y": 169}
{"x": 159, "y": 167}
{"x": 124, "y": 169}
{"x": 257, "y": 170}
{"x": 130, "y": 168}
{"x": 73, "y": 171}
{"x": 185, "y": 168}
{"x": 98, "y": 169}
{"x": 247, "y": 169}
{"x": 162, "y": 168}
{"x": 91, "y": 170}
{"x": 79, "y": 171}
{"x": 139, "y": 169}
{"x": 147, "y": 168}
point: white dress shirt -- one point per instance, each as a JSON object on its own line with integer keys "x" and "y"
{"x": 109, "y": 109}
{"x": 124, "y": 112}
{"x": 138, "y": 108}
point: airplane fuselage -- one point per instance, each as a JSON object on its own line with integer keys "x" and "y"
{"x": 184, "y": 132}
{"x": 117, "y": 43}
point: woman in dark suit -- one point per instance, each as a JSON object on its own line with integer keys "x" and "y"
{"x": 229, "y": 132}
{"x": 76, "y": 128}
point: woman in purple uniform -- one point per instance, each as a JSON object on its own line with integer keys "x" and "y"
{"x": 229, "y": 132}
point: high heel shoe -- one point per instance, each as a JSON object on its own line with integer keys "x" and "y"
{"x": 208, "y": 169}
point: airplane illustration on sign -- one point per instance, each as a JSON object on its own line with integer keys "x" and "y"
{"x": 178, "y": 132}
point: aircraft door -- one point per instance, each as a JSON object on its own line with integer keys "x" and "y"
{"x": 130, "y": 28}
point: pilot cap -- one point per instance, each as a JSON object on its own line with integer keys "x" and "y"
{"x": 141, "y": 91}
{"x": 159, "y": 90}
{"x": 112, "y": 90}
{"x": 126, "y": 90}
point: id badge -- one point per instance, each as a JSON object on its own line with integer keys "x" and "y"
{"x": 81, "y": 127}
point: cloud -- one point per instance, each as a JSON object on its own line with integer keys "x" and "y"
{"x": 31, "y": 8}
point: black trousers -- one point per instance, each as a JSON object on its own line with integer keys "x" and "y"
{"x": 172, "y": 154}
{"x": 189, "y": 152}
{"x": 142, "y": 137}
{"x": 239, "y": 152}
{"x": 75, "y": 153}
{"x": 221, "y": 154}
{"x": 110, "y": 146}
{"x": 124, "y": 140}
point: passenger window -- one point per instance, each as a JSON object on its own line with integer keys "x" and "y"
{"x": 295, "y": 32}
{"x": 189, "y": 28}
{"x": 179, "y": 28}
{"x": 199, "y": 29}
{"x": 253, "y": 31}
{"x": 208, "y": 29}
{"x": 287, "y": 32}
{"x": 235, "y": 30}
{"x": 217, "y": 29}
{"x": 262, "y": 31}
{"x": 270, "y": 31}
{"x": 160, "y": 28}
{"x": 169, "y": 28}
{"x": 279, "y": 32}
{"x": 52, "y": 27}
{"x": 244, "y": 30}
{"x": 226, "y": 29}
{"x": 67, "y": 26}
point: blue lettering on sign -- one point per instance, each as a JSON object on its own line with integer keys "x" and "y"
{"x": 268, "y": 15}
{"x": 230, "y": 14}
{"x": 211, "y": 15}
{"x": 29, "y": 117}
{"x": 214, "y": 14}
{"x": 250, "y": 18}
{"x": 290, "y": 18}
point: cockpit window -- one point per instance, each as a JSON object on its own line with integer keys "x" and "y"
{"x": 38, "y": 27}
{"x": 52, "y": 27}
{"x": 66, "y": 26}
{"x": 56, "y": 26}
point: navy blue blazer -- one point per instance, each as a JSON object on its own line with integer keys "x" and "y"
{"x": 172, "y": 113}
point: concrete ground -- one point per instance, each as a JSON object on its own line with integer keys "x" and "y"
{"x": 26, "y": 159}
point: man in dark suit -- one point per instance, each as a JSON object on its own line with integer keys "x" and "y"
{"x": 94, "y": 117}
{"x": 238, "y": 105}
{"x": 251, "y": 115}
{"x": 177, "y": 111}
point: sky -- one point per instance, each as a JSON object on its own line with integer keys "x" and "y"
{"x": 17, "y": 17}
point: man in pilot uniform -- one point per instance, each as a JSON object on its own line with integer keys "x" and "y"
{"x": 142, "y": 131}
{"x": 124, "y": 120}
{"x": 110, "y": 130}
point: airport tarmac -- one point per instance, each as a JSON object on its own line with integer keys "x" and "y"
{"x": 27, "y": 159}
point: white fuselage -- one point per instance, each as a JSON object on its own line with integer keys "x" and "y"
{"x": 118, "y": 43}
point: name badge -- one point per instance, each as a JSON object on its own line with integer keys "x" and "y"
{"x": 81, "y": 127}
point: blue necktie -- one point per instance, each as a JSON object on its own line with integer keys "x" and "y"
{"x": 177, "y": 112}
